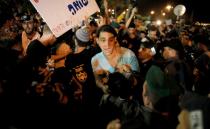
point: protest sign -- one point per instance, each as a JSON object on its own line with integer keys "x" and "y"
{"x": 62, "y": 15}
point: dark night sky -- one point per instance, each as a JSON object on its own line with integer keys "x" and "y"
{"x": 196, "y": 7}
{"x": 200, "y": 9}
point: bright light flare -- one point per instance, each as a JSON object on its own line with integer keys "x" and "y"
{"x": 152, "y": 12}
{"x": 158, "y": 22}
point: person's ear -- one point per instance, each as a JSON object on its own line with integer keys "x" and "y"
{"x": 146, "y": 101}
{"x": 116, "y": 42}
{"x": 116, "y": 39}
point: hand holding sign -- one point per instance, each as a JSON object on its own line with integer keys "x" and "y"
{"x": 66, "y": 13}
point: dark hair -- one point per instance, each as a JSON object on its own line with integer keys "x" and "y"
{"x": 93, "y": 23}
{"x": 203, "y": 40}
{"x": 152, "y": 28}
{"x": 176, "y": 44}
{"x": 106, "y": 28}
{"x": 37, "y": 53}
{"x": 133, "y": 3}
{"x": 119, "y": 85}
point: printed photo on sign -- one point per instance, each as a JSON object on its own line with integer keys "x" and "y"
{"x": 196, "y": 119}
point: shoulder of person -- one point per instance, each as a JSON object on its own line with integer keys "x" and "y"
{"x": 97, "y": 56}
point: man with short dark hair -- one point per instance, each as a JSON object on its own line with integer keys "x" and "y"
{"x": 112, "y": 57}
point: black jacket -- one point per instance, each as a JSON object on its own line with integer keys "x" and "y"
{"x": 135, "y": 116}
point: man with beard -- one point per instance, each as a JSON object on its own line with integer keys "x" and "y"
{"x": 29, "y": 32}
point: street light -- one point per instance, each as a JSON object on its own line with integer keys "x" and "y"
{"x": 169, "y": 7}
{"x": 152, "y": 12}
{"x": 163, "y": 13}
{"x": 158, "y": 22}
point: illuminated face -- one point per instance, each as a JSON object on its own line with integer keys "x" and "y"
{"x": 144, "y": 53}
{"x": 107, "y": 43}
{"x": 132, "y": 32}
{"x": 153, "y": 35}
{"x": 138, "y": 22}
{"x": 184, "y": 40}
{"x": 28, "y": 26}
{"x": 169, "y": 53}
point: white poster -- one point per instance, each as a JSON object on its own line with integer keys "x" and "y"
{"x": 62, "y": 15}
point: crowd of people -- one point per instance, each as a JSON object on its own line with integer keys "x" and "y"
{"x": 104, "y": 75}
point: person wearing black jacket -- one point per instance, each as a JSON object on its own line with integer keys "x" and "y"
{"x": 159, "y": 93}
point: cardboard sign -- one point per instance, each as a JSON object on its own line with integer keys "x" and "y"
{"x": 62, "y": 15}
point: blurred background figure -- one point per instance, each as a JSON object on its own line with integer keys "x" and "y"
{"x": 195, "y": 112}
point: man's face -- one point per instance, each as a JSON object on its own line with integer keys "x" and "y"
{"x": 132, "y": 32}
{"x": 107, "y": 42}
{"x": 28, "y": 26}
{"x": 169, "y": 53}
{"x": 153, "y": 35}
{"x": 144, "y": 53}
{"x": 184, "y": 40}
{"x": 138, "y": 22}
{"x": 142, "y": 35}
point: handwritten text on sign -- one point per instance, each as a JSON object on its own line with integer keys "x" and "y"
{"x": 62, "y": 15}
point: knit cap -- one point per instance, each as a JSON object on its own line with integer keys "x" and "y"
{"x": 82, "y": 35}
